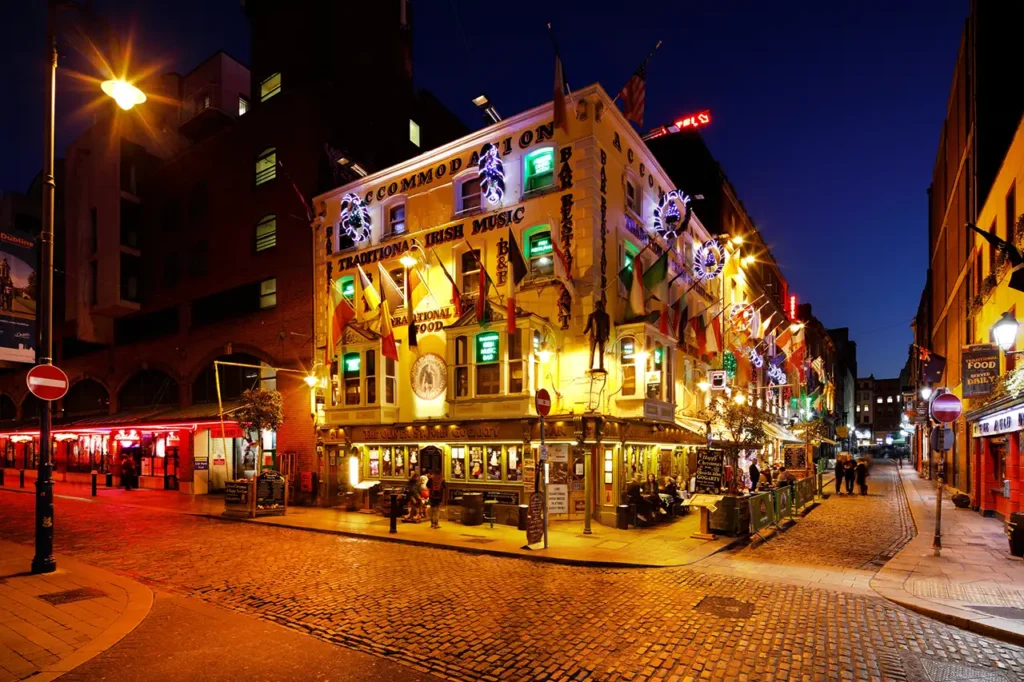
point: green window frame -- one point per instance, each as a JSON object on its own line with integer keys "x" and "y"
{"x": 539, "y": 169}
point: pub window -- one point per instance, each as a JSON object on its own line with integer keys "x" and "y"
{"x": 266, "y": 166}
{"x": 514, "y": 464}
{"x": 461, "y": 367}
{"x": 515, "y": 362}
{"x": 469, "y": 194}
{"x": 270, "y": 86}
{"x": 268, "y": 293}
{"x": 654, "y": 382}
{"x": 540, "y": 252}
{"x": 395, "y": 295}
{"x": 348, "y": 287}
{"x": 350, "y": 365}
{"x": 399, "y": 454}
{"x": 539, "y": 170}
{"x": 371, "y": 377}
{"x": 458, "y": 468}
{"x": 470, "y": 273}
{"x": 266, "y": 232}
{"x": 387, "y": 463}
{"x": 493, "y": 453}
{"x": 374, "y": 460}
{"x": 627, "y": 360}
{"x": 396, "y": 220}
{"x": 476, "y": 462}
{"x": 243, "y": 105}
{"x": 632, "y": 196}
{"x": 389, "y": 381}
{"x": 488, "y": 367}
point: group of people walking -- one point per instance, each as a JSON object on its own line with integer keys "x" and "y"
{"x": 849, "y": 471}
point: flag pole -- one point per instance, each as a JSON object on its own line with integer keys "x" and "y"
{"x": 646, "y": 59}
{"x": 565, "y": 80}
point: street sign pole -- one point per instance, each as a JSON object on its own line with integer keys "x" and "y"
{"x": 945, "y": 408}
{"x": 544, "y": 472}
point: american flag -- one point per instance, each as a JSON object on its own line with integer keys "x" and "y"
{"x": 633, "y": 95}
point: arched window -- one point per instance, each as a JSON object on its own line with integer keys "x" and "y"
{"x": 87, "y": 397}
{"x": 148, "y": 388}
{"x": 8, "y": 410}
{"x": 266, "y": 166}
{"x": 233, "y": 380}
{"x": 266, "y": 232}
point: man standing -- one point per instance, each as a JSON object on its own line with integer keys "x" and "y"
{"x": 436, "y": 497}
{"x": 755, "y": 475}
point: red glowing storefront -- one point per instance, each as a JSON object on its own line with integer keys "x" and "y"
{"x": 996, "y": 450}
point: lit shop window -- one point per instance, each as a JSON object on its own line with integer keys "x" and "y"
{"x": 266, "y": 232}
{"x": 539, "y": 170}
{"x": 266, "y": 166}
{"x": 469, "y": 194}
{"x": 627, "y": 360}
{"x": 488, "y": 367}
{"x": 268, "y": 293}
{"x": 243, "y": 106}
{"x": 414, "y": 132}
{"x": 270, "y": 86}
{"x": 461, "y": 367}
{"x": 458, "y": 466}
{"x": 540, "y": 253}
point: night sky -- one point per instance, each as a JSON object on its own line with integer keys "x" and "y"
{"x": 826, "y": 116}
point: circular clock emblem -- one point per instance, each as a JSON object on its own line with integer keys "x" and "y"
{"x": 429, "y": 376}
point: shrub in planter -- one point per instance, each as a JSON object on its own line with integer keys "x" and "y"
{"x": 962, "y": 500}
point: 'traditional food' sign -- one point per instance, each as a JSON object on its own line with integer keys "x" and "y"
{"x": 980, "y": 369}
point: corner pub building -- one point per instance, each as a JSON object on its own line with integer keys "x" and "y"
{"x": 580, "y": 203}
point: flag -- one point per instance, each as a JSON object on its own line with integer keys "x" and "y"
{"x": 634, "y": 92}
{"x": 699, "y": 328}
{"x": 417, "y": 289}
{"x": 456, "y": 296}
{"x": 413, "y": 284}
{"x": 370, "y": 294}
{"x": 663, "y": 318}
{"x": 1012, "y": 254}
{"x": 934, "y": 365}
{"x": 561, "y": 118}
{"x": 657, "y": 273}
{"x": 682, "y": 315}
{"x": 562, "y": 269}
{"x": 387, "y": 335}
{"x": 516, "y": 272}
{"x": 784, "y": 338}
{"x": 341, "y": 313}
{"x": 715, "y": 335}
{"x": 385, "y": 278}
{"x": 636, "y": 291}
{"x": 485, "y": 285}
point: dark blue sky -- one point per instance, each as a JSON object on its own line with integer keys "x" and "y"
{"x": 826, "y": 116}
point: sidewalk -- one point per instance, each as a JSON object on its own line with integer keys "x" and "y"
{"x": 52, "y": 623}
{"x": 975, "y": 584}
{"x": 666, "y": 544}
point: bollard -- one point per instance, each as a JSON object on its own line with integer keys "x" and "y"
{"x": 394, "y": 514}
{"x": 1, "y": 477}
{"x": 94, "y": 484}
{"x": 22, "y": 476}
{"x": 110, "y": 480}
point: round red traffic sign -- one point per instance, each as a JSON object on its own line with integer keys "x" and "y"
{"x": 946, "y": 408}
{"x": 543, "y": 402}
{"x": 47, "y": 382}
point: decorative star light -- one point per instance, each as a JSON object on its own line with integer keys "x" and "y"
{"x": 667, "y": 221}
{"x": 355, "y": 218}
{"x": 491, "y": 173}
{"x": 708, "y": 260}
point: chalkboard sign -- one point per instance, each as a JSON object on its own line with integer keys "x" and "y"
{"x": 795, "y": 457}
{"x": 535, "y": 519}
{"x": 236, "y": 497}
{"x": 709, "y": 470}
{"x": 269, "y": 493}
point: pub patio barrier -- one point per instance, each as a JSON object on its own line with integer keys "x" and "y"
{"x": 771, "y": 507}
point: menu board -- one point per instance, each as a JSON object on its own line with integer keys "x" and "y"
{"x": 795, "y": 457}
{"x": 709, "y": 470}
{"x": 236, "y": 497}
{"x": 529, "y": 471}
{"x": 270, "y": 493}
{"x": 535, "y": 519}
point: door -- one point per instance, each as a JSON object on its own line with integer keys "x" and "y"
{"x": 431, "y": 459}
{"x": 171, "y": 464}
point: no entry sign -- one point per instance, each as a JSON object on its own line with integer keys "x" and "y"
{"x": 47, "y": 382}
{"x": 946, "y": 408}
{"x": 543, "y": 401}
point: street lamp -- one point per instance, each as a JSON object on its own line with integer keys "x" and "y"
{"x": 926, "y": 392}
{"x": 1005, "y": 331}
{"x": 127, "y": 96}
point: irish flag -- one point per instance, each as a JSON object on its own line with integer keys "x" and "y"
{"x": 342, "y": 313}
{"x": 388, "y": 348}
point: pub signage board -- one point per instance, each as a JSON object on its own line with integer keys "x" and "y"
{"x": 1004, "y": 421}
{"x": 535, "y": 519}
{"x": 980, "y": 369}
{"x": 709, "y": 470}
{"x": 270, "y": 493}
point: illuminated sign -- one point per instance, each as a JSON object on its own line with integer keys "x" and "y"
{"x": 776, "y": 374}
{"x": 708, "y": 260}
{"x": 352, "y": 363}
{"x": 627, "y": 350}
{"x": 487, "y": 347}
{"x": 540, "y": 244}
{"x": 792, "y": 307}
{"x": 541, "y": 161}
{"x": 695, "y": 120}
{"x": 348, "y": 287}
{"x": 130, "y": 436}
{"x": 657, "y": 356}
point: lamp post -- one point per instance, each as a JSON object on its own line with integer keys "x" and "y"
{"x": 126, "y": 95}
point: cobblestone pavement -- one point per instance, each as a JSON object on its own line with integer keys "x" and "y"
{"x": 471, "y": 617}
{"x": 848, "y": 531}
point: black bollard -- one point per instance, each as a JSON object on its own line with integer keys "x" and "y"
{"x": 394, "y": 514}
{"x": 22, "y": 475}
{"x": 1, "y": 477}
{"x": 94, "y": 484}
{"x": 110, "y": 480}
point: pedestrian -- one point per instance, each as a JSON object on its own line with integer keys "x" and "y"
{"x": 128, "y": 473}
{"x": 839, "y": 474}
{"x": 899, "y": 459}
{"x": 862, "y": 476}
{"x": 436, "y": 497}
{"x": 412, "y": 498}
{"x": 767, "y": 476}
{"x": 424, "y": 496}
{"x": 849, "y": 471}
{"x": 755, "y": 475}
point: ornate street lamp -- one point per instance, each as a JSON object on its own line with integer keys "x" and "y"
{"x": 1005, "y": 331}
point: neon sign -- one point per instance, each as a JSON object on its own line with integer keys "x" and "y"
{"x": 695, "y": 120}
{"x": 708, "y": 260}
{"x": 792, "y": 307}
{"x": 667, "y": 222}
{"x": 355, "y": 218}
{"x": 776, "y": 374}
{"x": 491, "y": 172}
{"x": 130, "y": 436}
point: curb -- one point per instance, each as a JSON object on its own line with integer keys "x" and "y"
{"x": 140, "y": 601}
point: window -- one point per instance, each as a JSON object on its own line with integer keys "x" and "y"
{"x": 374, "y": 460}
{"x": 458, "y": 463}
{"x": 493, "y": 453}
{"x": 539, "y": 170}
{"x": 513, "y": 464}
{"x": 632, "y": 197}
{"x": 394, "y": 291}
{"x": 515, "y": 362}
{"x": 268, "y": 293}
{"x": 476, "y": 462}
{"x": 469, "y": 194}
{"x": 266, "y": 166}
{"x": 539, "y": 251}
{"x": 670, "y": 383}
{"x": 396, "y": 220}
{"x": 350, "y": 364}
{"x": 243, "y": 105}
{"x": 389, "y": 381}
{"x": 131, "y": 223}
{"x": 461, "y": 367}
{"x": 992, "y": 251}
{"x": 266, "y": 232}
{"x": 488, "y": 367}
{"x": 270, "y": 86}
{"x": 348, "y": 287}
{"x": 414, "y": 132}
{"x": 198, "y": 260}
{"x": 470, "y": 273}
{"x": 628, "y": 363}
{"x": 371, "y": 377}
{"x": 858, "y": 408}
{"x": 131, "y": 272}
{"x": 867, "y": 407}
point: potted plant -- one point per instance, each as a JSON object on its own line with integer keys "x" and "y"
{"x": 260, "y": 410}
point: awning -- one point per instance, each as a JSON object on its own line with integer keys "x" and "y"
{"x": 781, "y": 433}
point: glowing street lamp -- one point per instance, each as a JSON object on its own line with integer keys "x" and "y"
{"x": 1005, "y": 331}
{"x": 124, "y": 93}
{"x": 926, "y": 392}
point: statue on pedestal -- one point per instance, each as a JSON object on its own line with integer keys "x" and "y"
{"x": 599, "y": 328}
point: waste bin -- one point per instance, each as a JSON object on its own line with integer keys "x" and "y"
{"x": 472, "y": 509}
{"x": 622, "y": 517}
{"x": 1015, "y": 532}
{"x": 524, "y": 515}
{"x": 349, "y": 501}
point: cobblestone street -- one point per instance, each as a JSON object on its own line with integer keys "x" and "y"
{"x": 479, "y": 617}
